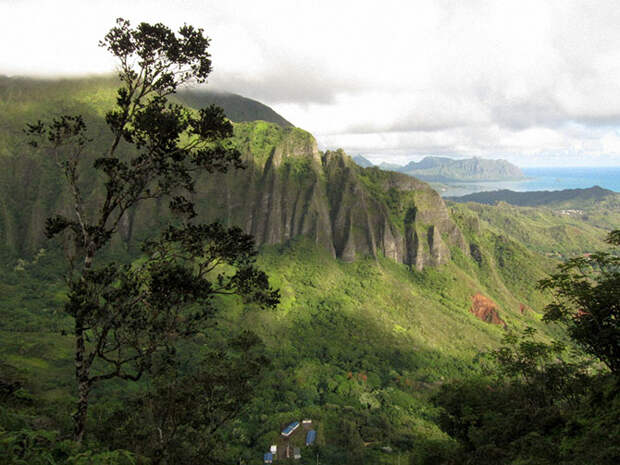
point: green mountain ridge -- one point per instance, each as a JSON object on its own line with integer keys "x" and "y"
{"x": 376, "y": 272}
{"x": 236, "y": 107}
{"x": 565, "y": 197}
{"x": 289, "y": 189}
{"x": 298, "y": 191}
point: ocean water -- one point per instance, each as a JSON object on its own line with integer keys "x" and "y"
{"x": 542, "y": 179}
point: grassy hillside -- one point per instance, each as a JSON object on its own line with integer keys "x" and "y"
{"x": 357, "y": 347}
{"x": 545, "y": 230}
{"x": 362, "y": 344}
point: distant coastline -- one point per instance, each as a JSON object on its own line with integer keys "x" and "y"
{"x": 573, "y": 198}
{"x": 433, "y": 169}
{"x": 540, "y": 179}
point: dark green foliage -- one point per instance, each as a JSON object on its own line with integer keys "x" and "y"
{"x": 180, "y": 418}
{"x": 587, "y": 302}
{"x": 165, "y": 59}
{"x": 29, "y": 437}
{"x": 371, "y": 318}
{"x": 540, "y": 369}
{"x": 495, "y": 426}
{"x": 538, "y": 406}
{"x": 43, "y": 447}
{"x": 499, "y": 423}
{"x": 134, "y": 311}
{"x": 517, "y": 415}
{"x": 358, "y": 347}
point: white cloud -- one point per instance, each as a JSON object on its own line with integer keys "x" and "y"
{"x": 529, "y": 80}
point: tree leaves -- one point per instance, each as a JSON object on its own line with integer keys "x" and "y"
{"x": 164, "y": 59}
{"x": 586, "y": 294}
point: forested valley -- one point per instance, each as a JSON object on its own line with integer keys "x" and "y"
{"x": 180, "y": 282}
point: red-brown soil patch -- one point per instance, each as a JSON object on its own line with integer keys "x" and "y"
{"x": 486, "y": 310}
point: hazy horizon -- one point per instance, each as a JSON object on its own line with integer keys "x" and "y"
{"x": 377, "y": 159}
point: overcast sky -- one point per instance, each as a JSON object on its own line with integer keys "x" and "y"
{"x": 535, "y": 82}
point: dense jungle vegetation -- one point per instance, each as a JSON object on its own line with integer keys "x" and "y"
{"x": 385, "y": 357}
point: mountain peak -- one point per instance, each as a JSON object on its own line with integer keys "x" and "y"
{"x": 362, "y": 161}
{"x": 237, "y": 108}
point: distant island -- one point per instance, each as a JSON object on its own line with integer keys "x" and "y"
{"x": 572, "y": 197}
{"x": 443, "y": 169}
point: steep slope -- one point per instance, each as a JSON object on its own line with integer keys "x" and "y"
{"x": 288, "y": 191}
{"x": 362, "y": 161}
{"x": 291, "y": 189}
{"x": 236, "y": 107}
{"x": 549, "y": 231}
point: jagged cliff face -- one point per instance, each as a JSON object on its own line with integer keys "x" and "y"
{"x": 290, "y": 189}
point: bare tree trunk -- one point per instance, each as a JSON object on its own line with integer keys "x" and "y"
{"x": 82, "y": 368}
{"x": 81, "y": 374}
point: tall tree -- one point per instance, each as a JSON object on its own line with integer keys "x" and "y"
{"x": 124, "y": 314}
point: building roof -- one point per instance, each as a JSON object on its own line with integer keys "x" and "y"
{"x": 290, "y": 428}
